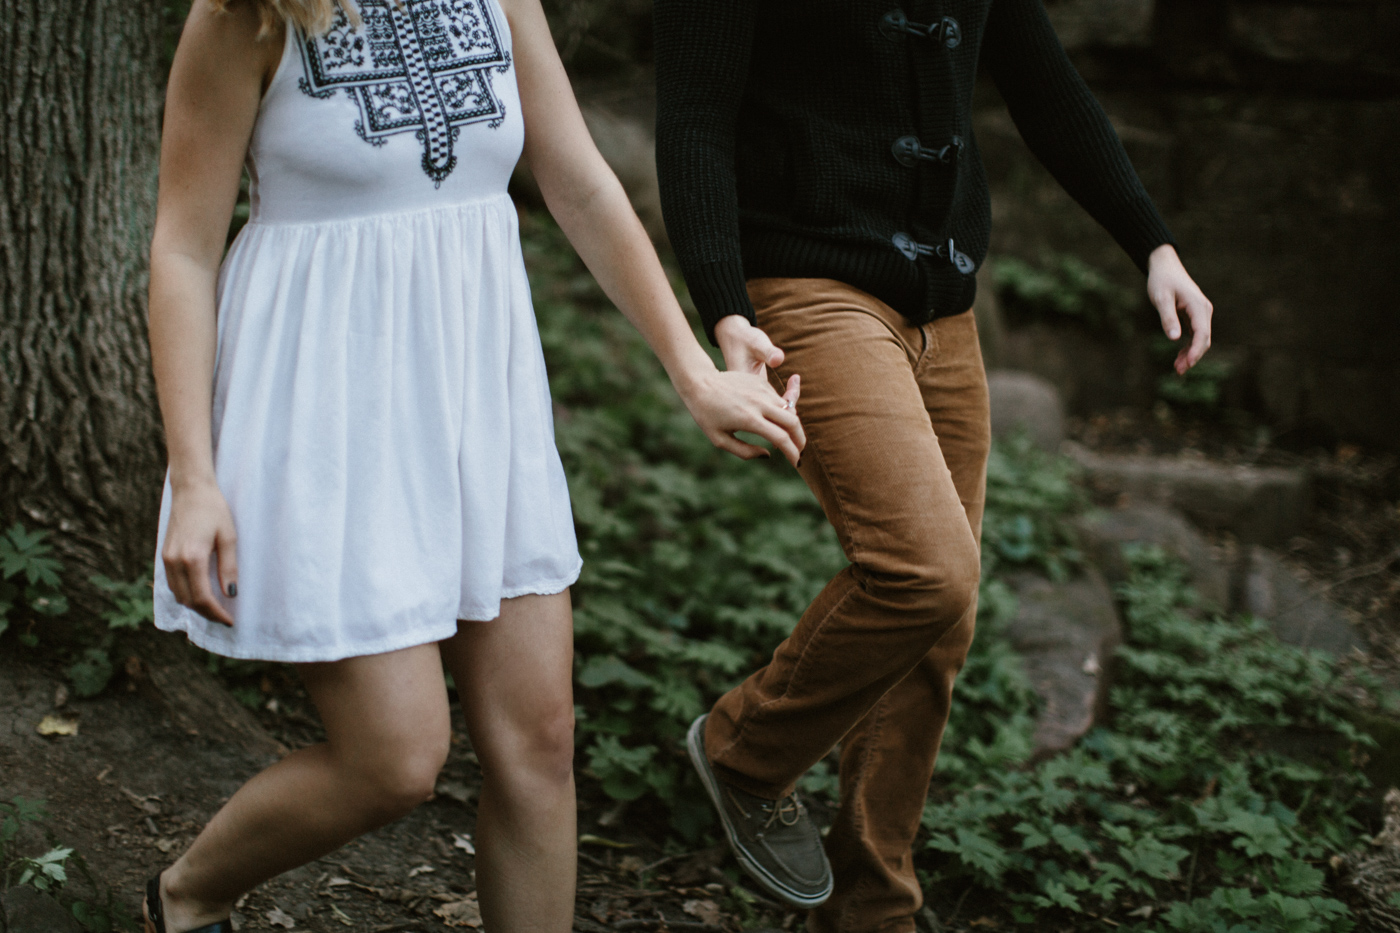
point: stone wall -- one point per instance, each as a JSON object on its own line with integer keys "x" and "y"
{"x": 1267, "y": 131}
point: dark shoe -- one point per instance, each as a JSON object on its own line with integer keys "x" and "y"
{"x": 775, "y": 841}
{"x": 155, "y": 914}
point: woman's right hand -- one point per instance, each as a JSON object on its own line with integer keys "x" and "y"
{"x": 742, "y": 399}
{"x": 201, "y": 526}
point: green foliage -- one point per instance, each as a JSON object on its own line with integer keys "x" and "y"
{"x": 1030, "y": 494}
{"x": 48, "y": 872}
{"x": 29, "y": 579}
{"x": 132, "y": 606}
{"x": 1179, "y": 810}
{"x": 697, "y": 563}
{"x": 133, "y": 602}
{"x": 1202, "y": 385}
{"x": 1064, "y": 286}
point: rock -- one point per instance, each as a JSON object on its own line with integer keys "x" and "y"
{"x": 1066, "y": 634}
{"x": 1262, "y": 505}
{"x": 1102, "y": 533}
{"x": 29, "y": 911}
{"x": 1103, "y": 24}
{"x": 1298, "y": 613}
{"x": 1024, "y": 401}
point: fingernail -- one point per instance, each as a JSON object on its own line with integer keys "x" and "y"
{"x": 232, "y": 590}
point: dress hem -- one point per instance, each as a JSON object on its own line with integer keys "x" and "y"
{"x": 546, "y": 588}
{"x": 180, "y": 625}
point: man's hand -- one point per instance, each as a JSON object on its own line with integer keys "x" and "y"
{"x": 742, "y": 399}
{"x": 1173, "y": 291}
{"x": 746, "y": 349}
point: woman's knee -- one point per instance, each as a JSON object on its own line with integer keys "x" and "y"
{"x": 551, "y": 746}
{"x": 540, "y": 755}
{"x": 396, "y": 779}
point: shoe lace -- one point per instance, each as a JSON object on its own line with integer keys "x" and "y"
{"x": 786, "y": 811}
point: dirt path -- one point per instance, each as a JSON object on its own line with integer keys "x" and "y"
{"x": 130, "y": 790}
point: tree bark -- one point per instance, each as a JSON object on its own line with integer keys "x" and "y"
{"x": 80, "y": 442}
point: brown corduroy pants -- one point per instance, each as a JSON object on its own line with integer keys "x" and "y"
{"x": 897, "y": 437}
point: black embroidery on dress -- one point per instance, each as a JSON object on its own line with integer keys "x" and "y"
{"x": 419, "y": 66}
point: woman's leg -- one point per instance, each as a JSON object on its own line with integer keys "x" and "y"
{"x": 387, "y": 732}
{"x": 515, "y": 678}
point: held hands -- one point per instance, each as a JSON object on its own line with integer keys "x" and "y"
{"x": 1172, "y": 291}
{"x": 201, "y": 525}
{"x": 742, "y": 399}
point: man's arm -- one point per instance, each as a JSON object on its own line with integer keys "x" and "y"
{"x": 702, "y": 66}
{"x": 1069, "y": 132}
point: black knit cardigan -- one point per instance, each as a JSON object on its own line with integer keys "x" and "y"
{"x": 833, "y": 139}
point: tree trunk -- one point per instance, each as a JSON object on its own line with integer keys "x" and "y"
{"x": 80, "y": 442}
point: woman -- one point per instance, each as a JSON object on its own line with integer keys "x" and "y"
{"x": 359, "y": 428}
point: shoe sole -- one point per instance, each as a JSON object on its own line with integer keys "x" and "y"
{"x": 695, "y": 745}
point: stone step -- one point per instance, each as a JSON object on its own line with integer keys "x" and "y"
{"x": 1258, "y": 504}
{"x": 1066, "y": 634}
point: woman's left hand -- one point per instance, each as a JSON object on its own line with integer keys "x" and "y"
{"x": 725, "y": 402}
{"x": 1172, "y": 290}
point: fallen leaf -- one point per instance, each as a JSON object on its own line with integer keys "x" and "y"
{"x": 421, "y": 870}
{"x": 463, "y": 913}
{"x": 60, "y": 695}
{"x": 338, "y": 882}
{"x": 341, "y": 916}
{"x": 54, "y": 724}
{"x": 982, "y": 922}
{"x": 631, "y": 863}
{"x": 167, "y": 845}
{"x": 464, "y": 842}
{"x": 278, "y": 917}
{"x": 704, "y": 911}
{"x": 148, "y": 804}
{"x": 588, "y": 839}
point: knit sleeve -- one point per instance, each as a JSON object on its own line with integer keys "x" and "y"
{"x": 702, "y": 62}
{"x": 1066, "y": 127}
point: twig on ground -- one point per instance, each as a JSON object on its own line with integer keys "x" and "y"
{"x": 1365, "y": 570}
{"x": 641, "y": 923}
{"x": 661, "y": 861}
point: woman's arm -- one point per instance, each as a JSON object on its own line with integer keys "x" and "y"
{"x": 1069, "y": 132}
{"x": 216, "y": 83}
{"x": 592, "y": 209}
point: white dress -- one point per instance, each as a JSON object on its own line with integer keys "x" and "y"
{"x": 382, "y": 424}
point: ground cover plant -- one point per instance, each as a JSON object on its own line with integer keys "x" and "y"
{"x": 1180, "y": 816}
{"x": 1184, "y": 814}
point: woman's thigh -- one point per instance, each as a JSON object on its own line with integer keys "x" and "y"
{"x": 384, "y": 710}
{"x": 514, "y": 675}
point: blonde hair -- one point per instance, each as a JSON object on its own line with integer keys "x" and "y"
{"x": 312, "y": 17}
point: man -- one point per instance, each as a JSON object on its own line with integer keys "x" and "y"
{"x": 824, "y": 193}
